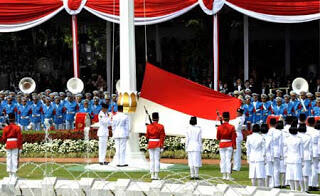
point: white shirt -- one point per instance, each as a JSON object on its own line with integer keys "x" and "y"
{"x": 255, "y": 148}
{"x": 268, "y": 147}
{"x": 293, "y": 149}
{"x": 120, "y": 125}
{"x": 307, "y": 146}
{"x": 238, "y": 123}
{"x": 315, "y": 140}
{"x": 277, "y": 142}
{"x": 104, "y": 123}
{"x": 193, "y": 138}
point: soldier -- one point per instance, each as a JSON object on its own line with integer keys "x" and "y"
{"x": 256, "y": 109}
{"x": 238, "y": 124}
{"x": 24, "y": 114}
{"x": 95, "y": 109}
{"x": 58, "y": 118}
{"x": 293, "y": 155}
{"x": 277, "y": 143}
{"x": 155, "y": 135}
{"x": 194, "y": 148}
{"x": 103, "y": 133}
{"x": 248, "y": 109}
{"x": 36, "y": 109}
{"x": 13, "y": 138}
{"x": 226, "y": 135}
{"x": 256, "y": 156}
{"x": 120, "y": 133}
{"x": 71, "y": 109}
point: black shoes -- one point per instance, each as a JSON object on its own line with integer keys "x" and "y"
{"x": 125, "y": 165}
{"x": 194, "y": 178}
{"x": 104, "y": 163}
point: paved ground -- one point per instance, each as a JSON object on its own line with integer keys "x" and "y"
{"x": 95, "y": 160}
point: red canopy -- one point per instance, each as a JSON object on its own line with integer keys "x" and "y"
{"x": 17, "y": 15}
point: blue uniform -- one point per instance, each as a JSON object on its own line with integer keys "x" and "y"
{"x": 300, "y": 107}
{"x": 280, "y": 110}
{"x": 48, "y": 113}
{"x": 24, "y": 114}
{"x": 59, "y": 116}
{"x": 316, "y": 111}
{"x": 36, "y": 115}
{"x": 10, "y": 109}
{"x": 248, "y": 111}
{"x": 2, "y": 117}
{"x": 257, "y": 112}
{"x": 85, "y": 110}
{"x": 265, "y": 111}
{"x": 71, "y": 109}
{"x": 113, "y": 107}
{"x": 95, "y": 109}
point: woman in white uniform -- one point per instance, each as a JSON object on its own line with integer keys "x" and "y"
{"x": 269, "y": 155}
{"x": 255, "y": 155}
{"x": 194, "y": 148}
{"x": 307, "y": 156}
{"x": 282, "y": 169}
{"x": 293, "y": 156}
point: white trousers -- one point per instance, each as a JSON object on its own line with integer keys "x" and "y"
{"x": 102, "y": 148}
{"x": 237, "y": 155}
{"x": 313, "y": 180}
{"x": 120, "y": 144}
{"x": 12, "y": 160}
{"x": 154, "y": 155}
{"x": 276, "y": 171}
{"x": 194, "y": 159}
{"x": 225, "y": 159}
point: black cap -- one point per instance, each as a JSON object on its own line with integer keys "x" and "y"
{"x": 226, "y": 115}
{"x": 155, "y": 116}
{"x": 240, "y": 110}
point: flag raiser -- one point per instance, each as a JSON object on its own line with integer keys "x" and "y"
{"x": 177, "y": 99}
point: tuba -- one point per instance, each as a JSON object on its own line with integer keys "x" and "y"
{"x": 27, "y": 85}
{"x": 75, "y": 85}
{"x": 299, "y": 85}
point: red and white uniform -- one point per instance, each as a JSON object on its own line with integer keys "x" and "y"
{"x": 156, "y": 135}
{"x": 226, "y": 135}
{"x": 13, "y": 138}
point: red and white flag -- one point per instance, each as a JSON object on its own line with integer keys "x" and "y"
{"x": 177, "y": 99}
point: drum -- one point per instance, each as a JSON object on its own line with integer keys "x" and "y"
{"x": 82, "y": 120}
{"x": 272, "y": 116}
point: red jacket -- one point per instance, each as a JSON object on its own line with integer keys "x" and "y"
{"x": 12, "y": 132}
{"x": 226, "y": 132}
{"x": 155, "y": 131}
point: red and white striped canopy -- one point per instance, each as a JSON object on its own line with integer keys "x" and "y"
{"x": 16, "y": 15}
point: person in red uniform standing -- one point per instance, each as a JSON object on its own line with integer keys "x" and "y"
{"x": 226, "y": 135}
{"x": 155, "y": 135}
{"x": 13, "y": 138}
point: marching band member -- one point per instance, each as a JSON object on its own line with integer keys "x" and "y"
{"x": 113, "y": 106}
{"x": 71, "y": 109}
{"x": 226, "y": 135}
{"x": 269, "y": 155}
{"x": 248, "y": 109}
{"x": 95, "y": 109}
{"x": 194, "y": 148}
{"x": 265, "y": 108}
{"x": 13, "y": 138}
{"x": 85, "y": 108}
{"x": 24, "y": 113}
{"x": 279, "y": 109}
{"x": 48, "y": 113}
{"x": 58, "y": 118}
{"x": 316, "y": 108}
{"x": 293, "y": 154}
{"x": 155, "y": 135}
{"x": 103, "y": 134}
{"x": 294, "y": 103}
{"x": 79, "y": 101}
{"x": 120, "y": 133}
{"x": 238, "y": 123}
{"x": 313, "y": 181}
{"x": 36, "y": 109}
{"x": 256, "y": 156}
{"x": 256, "y": 109}
{"x": 307, "y": 156}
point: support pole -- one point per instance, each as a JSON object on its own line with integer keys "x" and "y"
{"x": 76, "y": 73}
{"x": 108, "y": 57}
{"x": 215, "y": 52}
{"x": 287, "y": 51}
{"x": 246, "y": 46}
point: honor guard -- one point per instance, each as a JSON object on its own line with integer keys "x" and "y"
{"x": 238, "y": 124}
{"x": 113, "y": 106}
{"x": 48, "y": 114}
{"x": 120, "y": 133}
{"x": 155, "y": 135}
{"x": 226, "y": 135}
{"x": 24, "y": 114}
{"x": 268, "y": 156}
{"x": 248, "y": 109}
{"x": 59, "y": 116}
{"x": 194, "y": 148}
{"x": 95, "y": 109}
{"x": 256, "y": 109}
{"x": 275, "y": 129}
{"x": 103, "y": 134}
{"x": 13, "y": 138}
{"x": 71, "y": 109}
{"x": 256, "y": 156}
{"x": 36, "y": 109}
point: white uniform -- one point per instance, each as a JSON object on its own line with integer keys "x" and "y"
{"x": 307, "y": 157}
{"x": 285, "y": 133}
{"x": 103, "y": 134}
{"x": 255, "y": 154}
{"x": 277, "y": 140}
{"x": 313, "y": 180}
{"x": 237, "y": 123}
{"x": 293, "y": 154}
{"x": 194, "y": 145}
{"x": 269, "y": 159}
{"x": 120, "y": 133}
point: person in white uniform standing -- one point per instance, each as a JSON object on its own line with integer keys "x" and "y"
{"x": 307, "y": 156}
{"x": 103, "y": 133}
{"x": 293, "y": 156}
{"x": 238, "y": 123}
{"x": 194, "y": 148}
{"x": 276, "y": 139}
{"x": 120, "y": 133}
{"x": 269, "y": 155}
{"x": 256, "y": 156}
